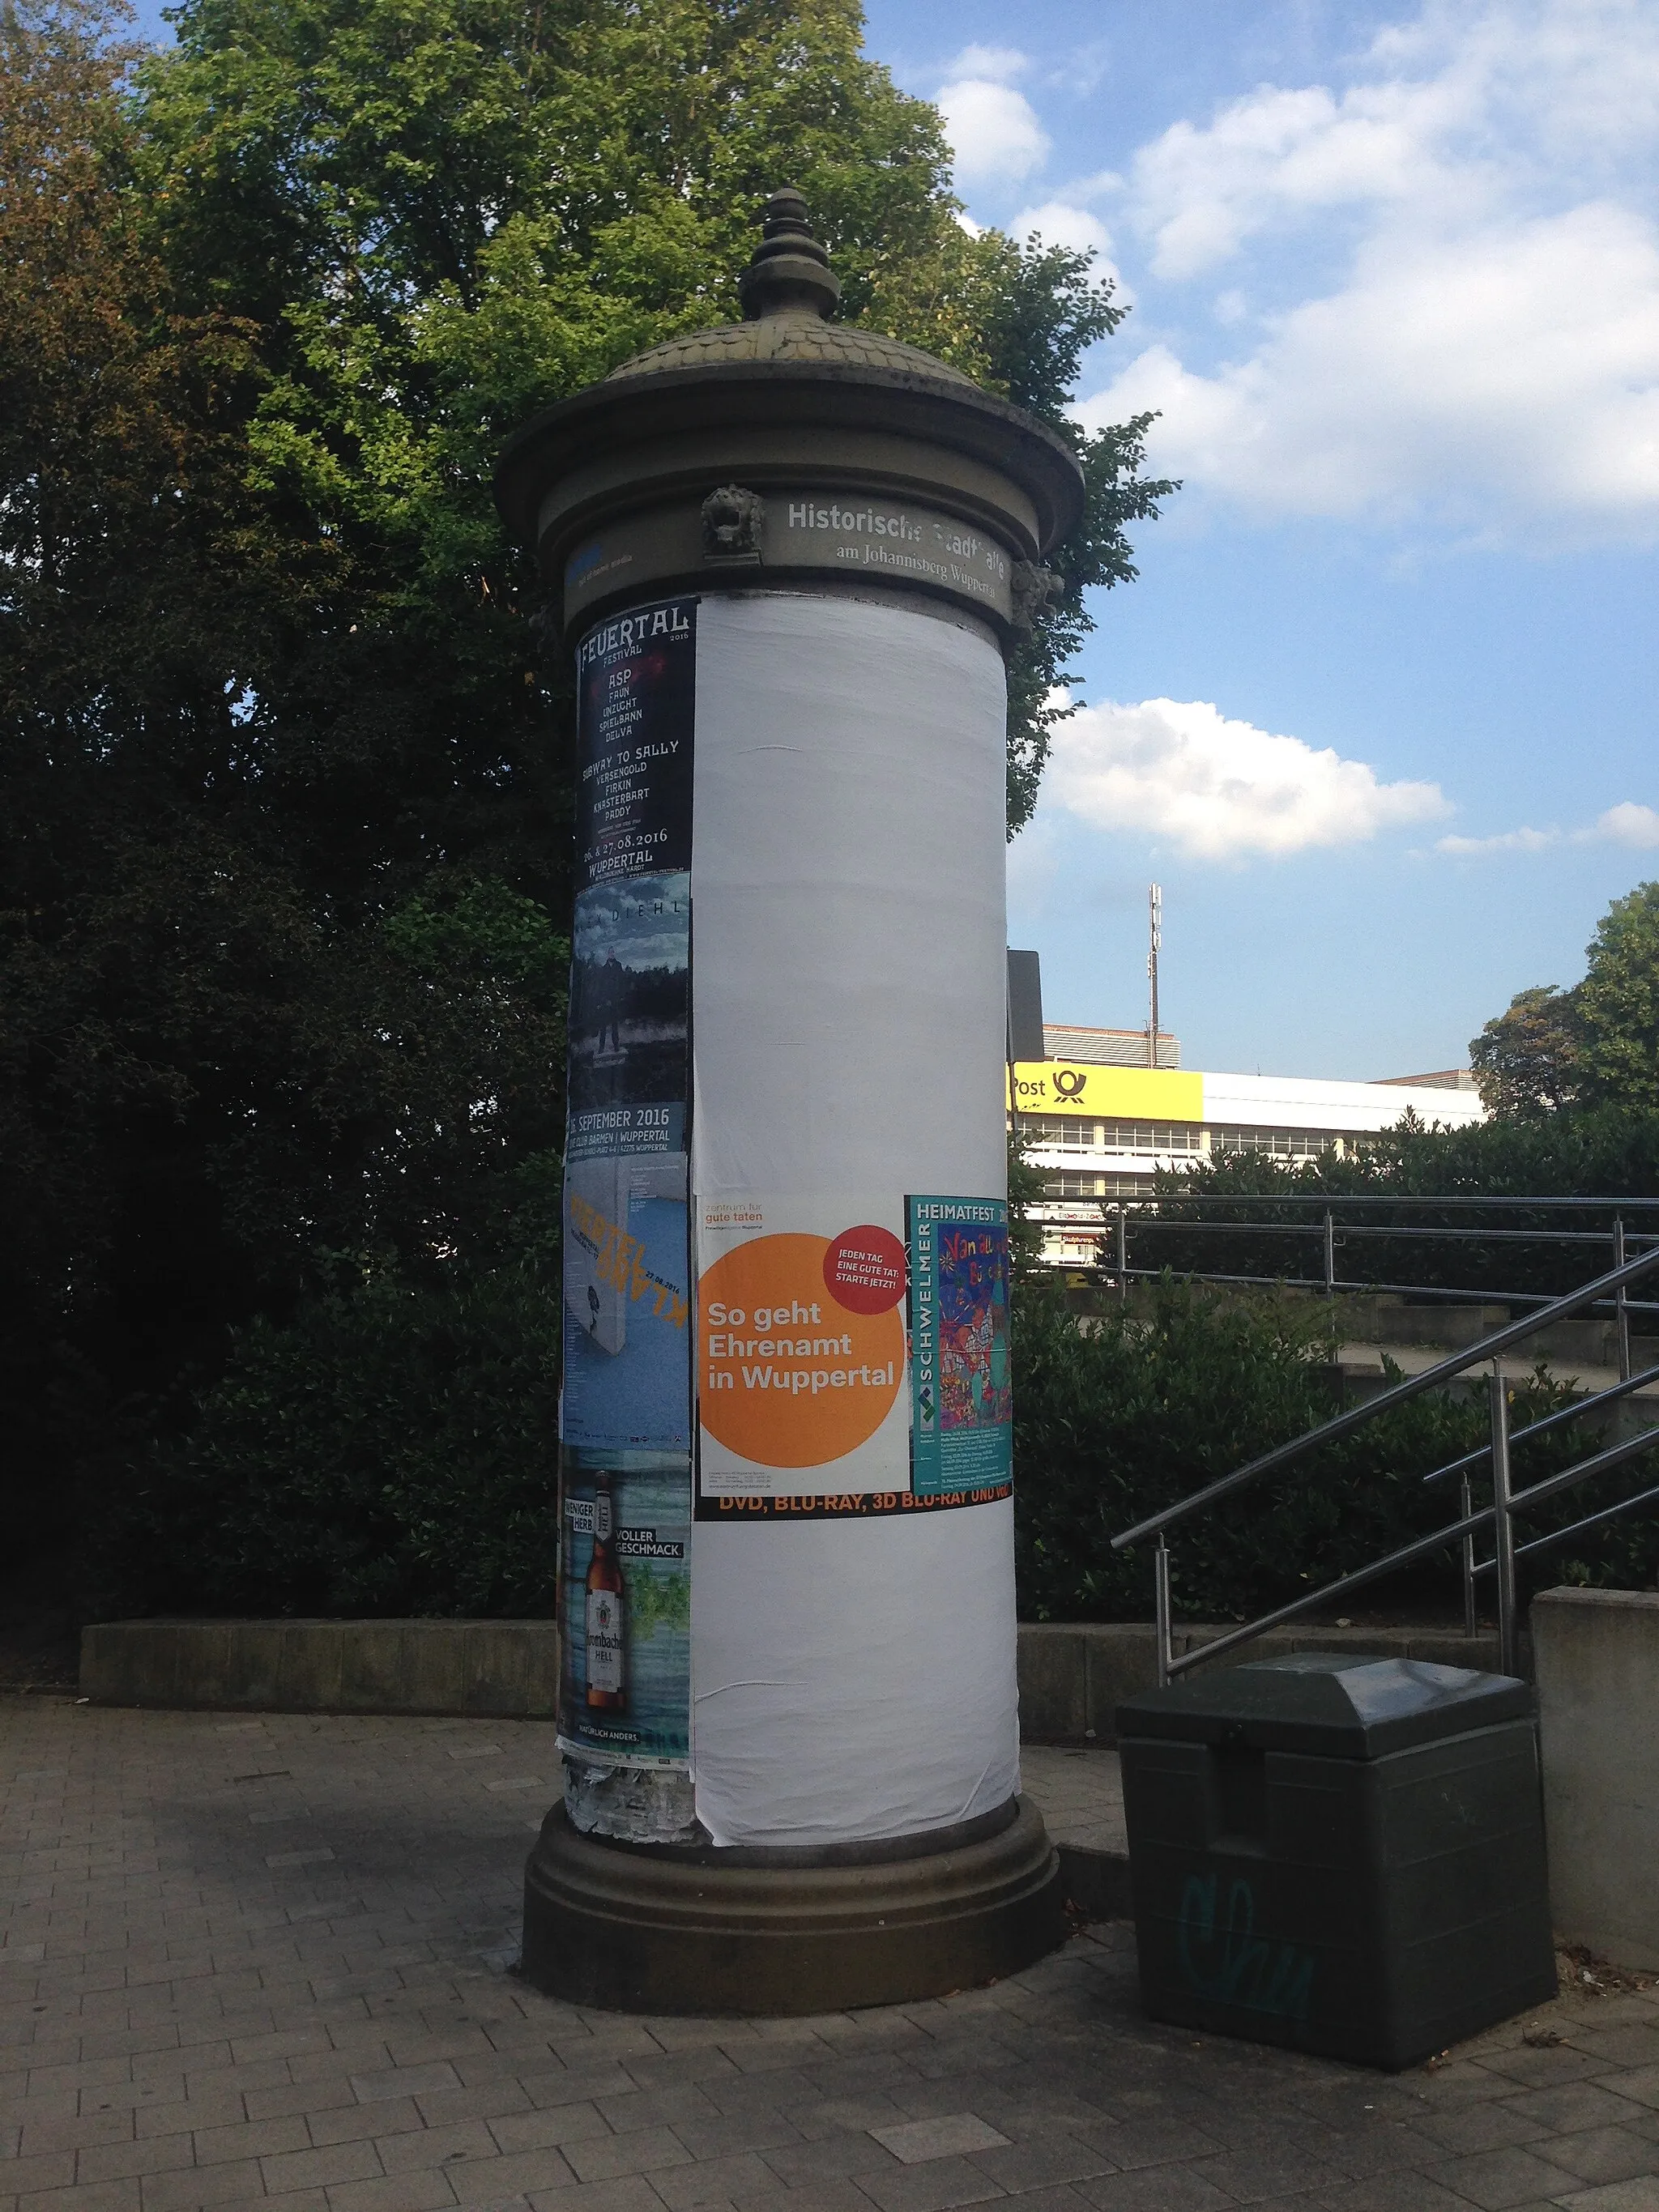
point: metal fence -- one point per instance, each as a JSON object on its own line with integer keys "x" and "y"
{"x": 1507, "y": 1502}
{"x": 1327, "y": 1249}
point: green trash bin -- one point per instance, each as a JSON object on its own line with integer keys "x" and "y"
{"x": 1342, "y": 1855}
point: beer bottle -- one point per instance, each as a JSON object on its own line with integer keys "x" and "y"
{"x": 607, "y": 1602}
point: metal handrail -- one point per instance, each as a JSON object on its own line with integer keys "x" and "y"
{"x": 1550, "y": 1421}
{"x": 1405, "y": 1230}
{"x": 1501, "y": 1512}
{"x": 1421, "y": 1547}
{"x": 1590, "y": 1521}
{"x": 1328, "y": 1199}
{"x": 1332, "y": 1284}
{"x": 1170, "y": 1210}
{"x": 1489, "y": 1347}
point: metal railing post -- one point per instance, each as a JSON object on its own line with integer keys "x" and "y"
{"x": 1330, "y": 1256}
{"x": 1621, "y": 1311}
{"x": 1465, "y": 1507}
{"x": 1161, "y": 1602}
{"x": 1509, "y": 1637}
{"x": 1599, "y": 1292}
{"x": 1123, "y": 1253}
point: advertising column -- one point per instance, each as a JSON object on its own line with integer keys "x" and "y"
{"x": 626, "y": 1417}
{"x": 852, "y": 1597}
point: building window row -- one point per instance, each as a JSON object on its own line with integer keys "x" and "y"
{"x": 1180, "y": 1139}
{"x": 1074, "y": 1187}
{"x": 1279, "y": 1143}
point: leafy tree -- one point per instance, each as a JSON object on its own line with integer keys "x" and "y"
{"x": 1527, "y": 1061}
{"x": 1596, "y": 1044}
{"x": 441, "y": 217}
{"x": 284, "y": 780}
{"x": 1618, "y": 1003}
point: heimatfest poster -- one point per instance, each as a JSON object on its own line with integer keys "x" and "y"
{"x": 961, "y": 1392}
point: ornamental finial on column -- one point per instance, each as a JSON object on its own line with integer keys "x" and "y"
{"x": 790, "y": 272}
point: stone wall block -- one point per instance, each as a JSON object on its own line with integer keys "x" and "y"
{"x": 309, "y": 1667}
{"x": 374, "y": 1672}
{"x": 1122, "y": 1662}
{"x": 512, "y": 1667}
{"x": 118, "y": 1667}
{"x": 1597, "y": 1661}
{"x": 244, "y": 1666}
{"x": 1052, "y": 1682}
{"x": 434, "y": 1679}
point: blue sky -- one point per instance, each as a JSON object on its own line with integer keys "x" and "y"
{"x": 1380, "y": 714}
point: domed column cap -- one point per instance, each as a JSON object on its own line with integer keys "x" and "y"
{"x": 790, "y": 271}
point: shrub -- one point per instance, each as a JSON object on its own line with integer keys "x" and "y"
{"x": 1605, "y": 1153}
{"x": 1116, "y": 1416}
{"x": 390, "y": 1451}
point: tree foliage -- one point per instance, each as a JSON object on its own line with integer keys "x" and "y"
{"x": 1618, "y": 1003}
{"x": 1596, "y": 1044}
{"x": 1601, "y": 1153}
{"x": 1527, "y": 1060}
{"x": 284, "y": 779}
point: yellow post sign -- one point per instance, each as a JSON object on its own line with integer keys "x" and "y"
{"x": 1108, "y": 1094}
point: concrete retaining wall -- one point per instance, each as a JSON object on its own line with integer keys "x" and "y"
{"x": 1071, "y": 1678}
{"x": 496, "y": 1667}
{"x": 1598, "y": 1699}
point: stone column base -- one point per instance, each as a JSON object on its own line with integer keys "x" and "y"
{"x": 643, "y": 1928}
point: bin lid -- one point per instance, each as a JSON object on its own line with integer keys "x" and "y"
{"x": 1327, "y": 1702}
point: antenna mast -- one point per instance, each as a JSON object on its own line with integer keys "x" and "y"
{"x": 1154, "y": 940}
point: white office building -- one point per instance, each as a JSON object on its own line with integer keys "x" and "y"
{"x": 1099, "y": 1127}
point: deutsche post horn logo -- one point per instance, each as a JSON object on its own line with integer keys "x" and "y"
{"x": 1069, "y": 1082}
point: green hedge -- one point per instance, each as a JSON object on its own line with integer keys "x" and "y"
{"x": 393, "y": 1451}
{"x": 1117, "y": 1416}
{"x": 1600, "y": 1153}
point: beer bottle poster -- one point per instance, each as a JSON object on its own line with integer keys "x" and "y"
{"x": 627, "y": 1283}
{"x": 961, "y": 1392}
{"x": 625, "y": 1608}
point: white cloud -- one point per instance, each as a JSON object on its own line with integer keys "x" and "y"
{"x": 1489, "y": 354}
{"x": 1485, "y": 378}
{"x": 1507, "y": 841}
{"x": 1034, "y": 867}
{"x": 1217, "y": 789}
{"x": 1061, "y": 222}
{"x": 997, "y": 63}
{"x": 1200, "y": 193}
{"x": 993, "y": 129}
{"x": 1627, "y": 823}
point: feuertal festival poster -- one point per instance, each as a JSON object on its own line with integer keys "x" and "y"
{"x": 626, "y": 1413}
{"x": 962, "y": 1398}
{"x": 800, "y": 1354}
{"x": 627, "y": 1279}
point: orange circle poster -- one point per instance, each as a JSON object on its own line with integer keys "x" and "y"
{"x": 789, "y": 1377}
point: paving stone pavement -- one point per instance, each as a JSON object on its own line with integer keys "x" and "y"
{"x": 1081, "y": 1793}
{"x": 264, "y": 1961}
